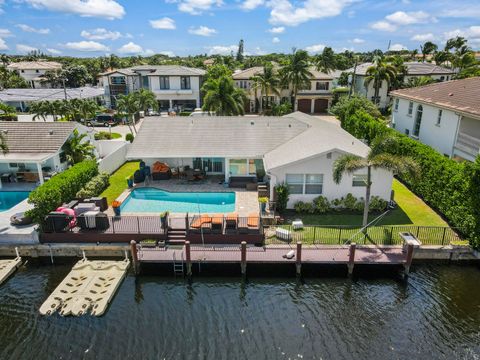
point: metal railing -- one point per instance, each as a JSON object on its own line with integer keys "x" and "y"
{"x": 467, "y": 143}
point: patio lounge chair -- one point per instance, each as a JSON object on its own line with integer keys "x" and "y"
{"x": 56, "y": 222}
{"x": 201, "y": 222}
{"x": 217, "y": 223}
{"x": 231, "y": 222}
{"x": 161, "y": 171}
{"x": 99, "y": 221}
{"x": 253, "y": 222}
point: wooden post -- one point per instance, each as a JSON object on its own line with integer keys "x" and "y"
{"x": 351, "y": 258}
{"x": 298, "y": 264}
{"x": 133, "y": 250}
{"x": 188, "y": 258}
{"x": 243, "y": 262}
{"x": 408, "y": 259}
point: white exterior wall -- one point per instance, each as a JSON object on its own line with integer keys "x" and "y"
{"x": 176, "y": 92}
{"x": 370, "y": 91}
{"x": 113, "y": 154}
{"x": 381, "y": 180}
{"x": 441, "y": 137}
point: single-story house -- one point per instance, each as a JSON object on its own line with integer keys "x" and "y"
{"x": 296, "y": 149}
{"x": 444, "y": 115}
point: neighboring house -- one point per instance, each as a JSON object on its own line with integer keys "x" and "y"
{"x": 175, "y": 87}
{"x": 32, "y": 71}
{"x": 21, "y": 98}
{"x": 296, "y": 149}
{"x": 444, "y": 115}
{"x": 314, "y": 99}
{"x": 414, "y": 69}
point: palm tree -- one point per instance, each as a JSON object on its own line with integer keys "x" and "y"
{"x": 377, "y": 158}
{"x": 267, "y": 82}
{"x": 296, "y": 72}
{"x": 77, "y": 149}
{"x": 326, "y": 61}
{"x": 40, "y": 110}
{"x": 441, "y": 57}
{"x": 87, "y": 109}
{"x": 419, "y": 81}
{"x": 427, "y": 49}
{"x": 129, "y": 105}
{"x": 377, "y": 73}
{"x": 3, "y": 143}
{"x": 222, "y": 97}
{"x": 146, "y": 100}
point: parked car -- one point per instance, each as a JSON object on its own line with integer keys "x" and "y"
{"x": 151, "y": 112}
{"x": 200, "y": 112}
{"x": 103, "y": 120}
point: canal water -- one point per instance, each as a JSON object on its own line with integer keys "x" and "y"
{"x": 435, "y": 316}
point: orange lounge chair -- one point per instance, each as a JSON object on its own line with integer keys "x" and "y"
{"x": 200, "y": 221}
{"x": 253, "y": 221}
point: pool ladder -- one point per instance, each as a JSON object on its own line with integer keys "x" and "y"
{"x": 177, "y": 265}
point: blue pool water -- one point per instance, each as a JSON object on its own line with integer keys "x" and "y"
{"x": 9, "y": 199}
{"x": 155, "y": 200}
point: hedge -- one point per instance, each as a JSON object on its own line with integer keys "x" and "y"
{"x": 95, "y": 186}
{"x": 450, "y": 187}
{"x": 60, "y": 189}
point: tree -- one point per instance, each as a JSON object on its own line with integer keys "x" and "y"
{"x": 11, "y": 80}
{"x": 377, "y": 73}
{"x": 267, "y": 82}
{"x": 129, "y": 105}
{"x": 377, "y": 158}
{"x": 240, "y": 51}
{"x": 428, "y": 48}
{"x": 86, "y": 108}
{"x": 441, "y": 57}
{"x": 296, "y": 72}
{"x": 76, "y": 75}
{"x": 40, "y": 109}
{"x": 222, "y": 97}
{"x": 3, "y": 143}
{"x": 419, "y": 81}
{"x": 146, "y": 100}
{"x": 77, "y": 148}
{"x": 326, "y": 60}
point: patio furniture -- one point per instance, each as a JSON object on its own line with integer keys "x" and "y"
{"x": 161, "y": 171}
{"x": 297, "y": 224}
{"x": 242, "y": 181}
{"x": 138, "y": 176}
{"x": 253, "y": 222}
{"x": 93, "y": 220}
{"x": 70, "y": 205}
{"x": 199, "y": 222}
{"x": 27, "y": 176}
{"x": 217, "y": 223}
{"x": 57, "y": 221}
{"x": 231, "y": 222}
{"x": 84, "y": 207}
{"x": 6, "y": 177}
{"x": 283, "y": 234}
{"x": 101, "y": 202}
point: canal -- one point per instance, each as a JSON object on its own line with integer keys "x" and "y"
{"x": 436, "y": 316}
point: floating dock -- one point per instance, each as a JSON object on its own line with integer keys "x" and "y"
{"x": 8, "y": 267}
{"x": 89, "y": 287}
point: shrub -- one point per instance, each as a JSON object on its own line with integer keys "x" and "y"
{"x": 8, "y": 117}
{"x": 104, "y": 135}
{"x": 377, "y": 204}
{"x": 321, "y": 205}
{"x": 282, "y": 192}
{"x": 299, "y": 206}
{"x": 95, "y": 186}
{"x": 60, "y": 189}
{"x": 349, "y": 202}
{"x": 184, "y": 113}
{"x": 129, "y": 137}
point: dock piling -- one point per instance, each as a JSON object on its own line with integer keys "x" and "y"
{"x": 188, "y": 258}
{"x": 133, "y": 250}
{"x": 298, "y": 264}
{"x": 351, "y": 258}
{"x": 408, "y": 260}
{"x": 243, "y": 262}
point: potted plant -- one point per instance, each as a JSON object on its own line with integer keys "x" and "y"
{"x": 263, "y": 203}
{"x": 260, "y": 175}
{"x": 148, "y": 243}
{"x": 130, "y": 181}
{"x": 116, "y": 207}
{"x": 163, "y": 218}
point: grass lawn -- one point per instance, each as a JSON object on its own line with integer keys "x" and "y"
{"x": 113, "y": 135}
{"x": 118, "y": 182}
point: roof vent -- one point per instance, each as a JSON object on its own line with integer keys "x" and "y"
{"x": 450, "y": 94}
{"x": 252, "y": 122}
{"x": 50, "y": 132}
{"x": 289, "y": 125}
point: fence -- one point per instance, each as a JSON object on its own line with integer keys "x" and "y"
{"x": 113, "y": 155}
{"x": 379, "y": 235}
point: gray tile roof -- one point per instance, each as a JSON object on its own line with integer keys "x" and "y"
{"x": 12, "y": 95}
{"x": 248, "y": 73}
{"x": 34, "y": 65}
{"x": 159, "y": 70}
{"x": 413, "y": 69}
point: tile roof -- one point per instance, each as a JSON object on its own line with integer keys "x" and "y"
{"x": 33, "y": 65}
{"x": 159, "y": 70}
{"x": 457, "y": 95}
{"x": 413, "y": 68}
{"x": 248, "y": 73}
{"x": 13, "y": 95}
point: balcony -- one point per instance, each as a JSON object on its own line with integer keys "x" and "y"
{"x": 468, "y": 144}
{"x": 173, "y": 91}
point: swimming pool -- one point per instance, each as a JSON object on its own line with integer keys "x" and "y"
{"x": 156, "y": 200}
{"x": 9, "y": 199}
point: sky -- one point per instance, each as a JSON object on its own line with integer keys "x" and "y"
{"x": 189, "y": 27}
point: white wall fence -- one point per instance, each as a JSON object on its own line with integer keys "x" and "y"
{"x": 112, "y": 154}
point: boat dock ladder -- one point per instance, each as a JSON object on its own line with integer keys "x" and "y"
{"x": 178, "y": 268}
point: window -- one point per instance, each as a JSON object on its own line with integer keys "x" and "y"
{"x": 418, "y": 121}
{"x": 164, "y": 83}
{"x": 63, "y": 157}
{"x": 396, "y": 104}
{"x": 117, "y": 80}
{"x": 359, "y": 180}
{"x": 322, "y": 85}
{"x": 295, "y": 183}
{"x": 210, "y": 165}
{"x": 439, "y": 117}
{"x": 145, "y": 82}
{"x": 410, "y": 108}
{"x": 238, "y": 167}
{"x": 442, "y": 78}
{"x": 313, "y": 184}
{"x": 37, "y": 71}
{"x": 185, "y": 82}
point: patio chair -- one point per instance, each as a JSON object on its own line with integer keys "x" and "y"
{"x": 190, "y": 175}
{"x": 253, "y": 222}
{"x": 217, "y": 223}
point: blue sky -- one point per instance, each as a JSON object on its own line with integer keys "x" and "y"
{"x": 189, "y": 27}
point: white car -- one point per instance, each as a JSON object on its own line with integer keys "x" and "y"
{"x": 200, "y": 112}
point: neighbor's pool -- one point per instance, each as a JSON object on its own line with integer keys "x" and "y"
{"x": 155, "y": 200}
{"x": 9, "y": 199}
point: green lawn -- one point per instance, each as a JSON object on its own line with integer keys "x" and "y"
{"x": 118, "y": 182}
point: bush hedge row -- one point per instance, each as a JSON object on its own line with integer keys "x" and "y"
{"x": 450, "y": 187}
{"x": 321, "y": 205}
{"x": 60, "y": 189}
{"x": 94, "y": 187}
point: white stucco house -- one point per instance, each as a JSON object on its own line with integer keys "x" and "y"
{"x": 296, "y": 149}
{"x": 414, "y": 69}
{"x": 32, "y": 71}
{"x": 444, "y": 115}
{"x": 175, "y": 87}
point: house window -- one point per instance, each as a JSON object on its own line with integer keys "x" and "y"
{"x": 295, "y": 183}
{"x": 322, "y": 85}
{"x": 418, "y": 121}
{"x": 396, "y": 104}
{"x": 442, "y": 78}
{"x": 185, "y": 82}
{"x": 313, "y": 184}
{"x": 359, "y": 180}
{"x": 117, "y": 80}
{"x": 37, "y": 71}
{"x": 63, "y": 157}
{"x": 164, "y": 83}
{"x": 145, "y": 82}
{"x": 439, "y": 117}
{"x": 410, "y": 108}
{"x": 238, "y": 167}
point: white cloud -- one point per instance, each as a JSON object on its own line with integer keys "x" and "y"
{"x": 131, "y": 48}
{"x": 358, "y": 41}
{"x": 3, "y": 45}
{"x": 100, "y": 34}
{"x": 275, "y": 40}
{"x": 315, "y": 48}
{"x": 472, "y": 34}
{"x": 284, "y": 13}
{"x": 407, "y": 18}
{"x": 109, "y": 9}
{"x": 165, "y": 23}
{"x": 54, "y": 51}
{"x": 397, "y": 47}
{"x": 202, "y": 31}
{"x": 423, "y": 37}
{"x": 4, "y": 33}
{"x": 251, "y": 4}
{"x": 222, "y": 50}
{"x": 196, "y": 7}
{"x": 89, "y": 46}
{"x": 25, "y": 48}
{"x": 27, "y": 28}
{"x": 383, "y": 26}
{"x": 277, "y": 30}
{"x": 148, "y": 52}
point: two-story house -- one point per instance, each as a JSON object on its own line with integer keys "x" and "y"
{"x": 33, "y": 71}
{"x": 444, "y": 115}
{"x": 175, "y": 87}
{"x": 414, "y": 69}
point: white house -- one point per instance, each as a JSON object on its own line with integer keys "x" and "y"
{"x": 296, "y": 149}
{"x": 175, "y": 87}
{"x": 414, "y": 69}
{"x": 32, "y": 71}
{"x": 315, "y": 98}
{"x": 444, "y": 115}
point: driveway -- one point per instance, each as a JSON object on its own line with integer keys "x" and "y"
{"x": 120, "y": 129}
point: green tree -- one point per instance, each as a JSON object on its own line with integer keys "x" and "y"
{"x": 11, "y": 80}
{"x": 146, "y": 100}
{"x": 428, "y": 48}
{"x": 267, "y": 82}
{"x": 129, "y": 105}
{"x": 3, "y": 143}
{"x": 77, "y": 148}
{"x": 326, "y": 61}
{"x": 296, "y": 72}
{"x": 222, "y": 97}
{"x": 240, "y": 51}
{"x": 377, "y": 73}
{"x": 87, "y": 109}
{"x": 377, "y": 158}
{"x": 419, "y": 81}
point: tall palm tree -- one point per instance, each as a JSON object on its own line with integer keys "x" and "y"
{"x": 428, "y": 48}
{"x": 87, "y": 109}
{"x": 296, "y": 72}
{"x": 377, "y": 73}
{"x": 146, "y": 100}
{"x": 326, "y": 61}
{"x": 377, "y": 158}
{"x": 40, "y": 110}
{"x": 222, "y": 97}
{"x": 129, "y": 105}
{"x": 419, "y": 81}
{"x": 267, "y": 82}
{"x": 77, "y": 148}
